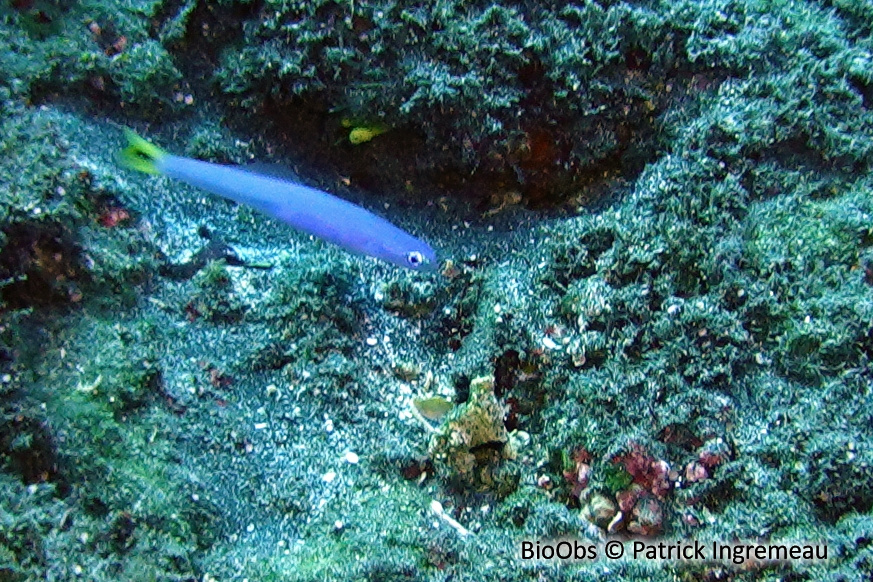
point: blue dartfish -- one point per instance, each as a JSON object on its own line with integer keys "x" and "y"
{"x": 307, "y": 209}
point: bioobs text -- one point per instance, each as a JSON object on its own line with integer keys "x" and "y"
{"x": 561, "y": 550}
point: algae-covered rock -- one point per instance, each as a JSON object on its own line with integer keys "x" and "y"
{"x": 215, "y": 299}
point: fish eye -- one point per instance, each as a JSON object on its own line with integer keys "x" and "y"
{"x": 415, "y": 259}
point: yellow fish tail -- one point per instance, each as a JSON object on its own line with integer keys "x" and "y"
{"x": 140, "y": 154}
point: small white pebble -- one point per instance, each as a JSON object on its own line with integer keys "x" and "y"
{"x": 351, "y": 457}
{"x": 329, "y": 477}
{"x": 250, "y": 527}
{"x": 371, "y": 341}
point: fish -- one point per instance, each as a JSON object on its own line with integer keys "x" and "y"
{"x": 359, "y": 135}
{"x": 433, "y": 408}
{"x": 362, "y": 132}
{"x": 302, "y": 207}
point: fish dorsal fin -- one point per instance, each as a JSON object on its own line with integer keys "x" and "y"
{"x": 269, "y": 170}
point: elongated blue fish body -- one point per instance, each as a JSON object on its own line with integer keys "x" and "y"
{"x": 307, "y": 209}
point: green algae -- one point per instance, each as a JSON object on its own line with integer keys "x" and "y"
{"x": 98, "y": 49}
